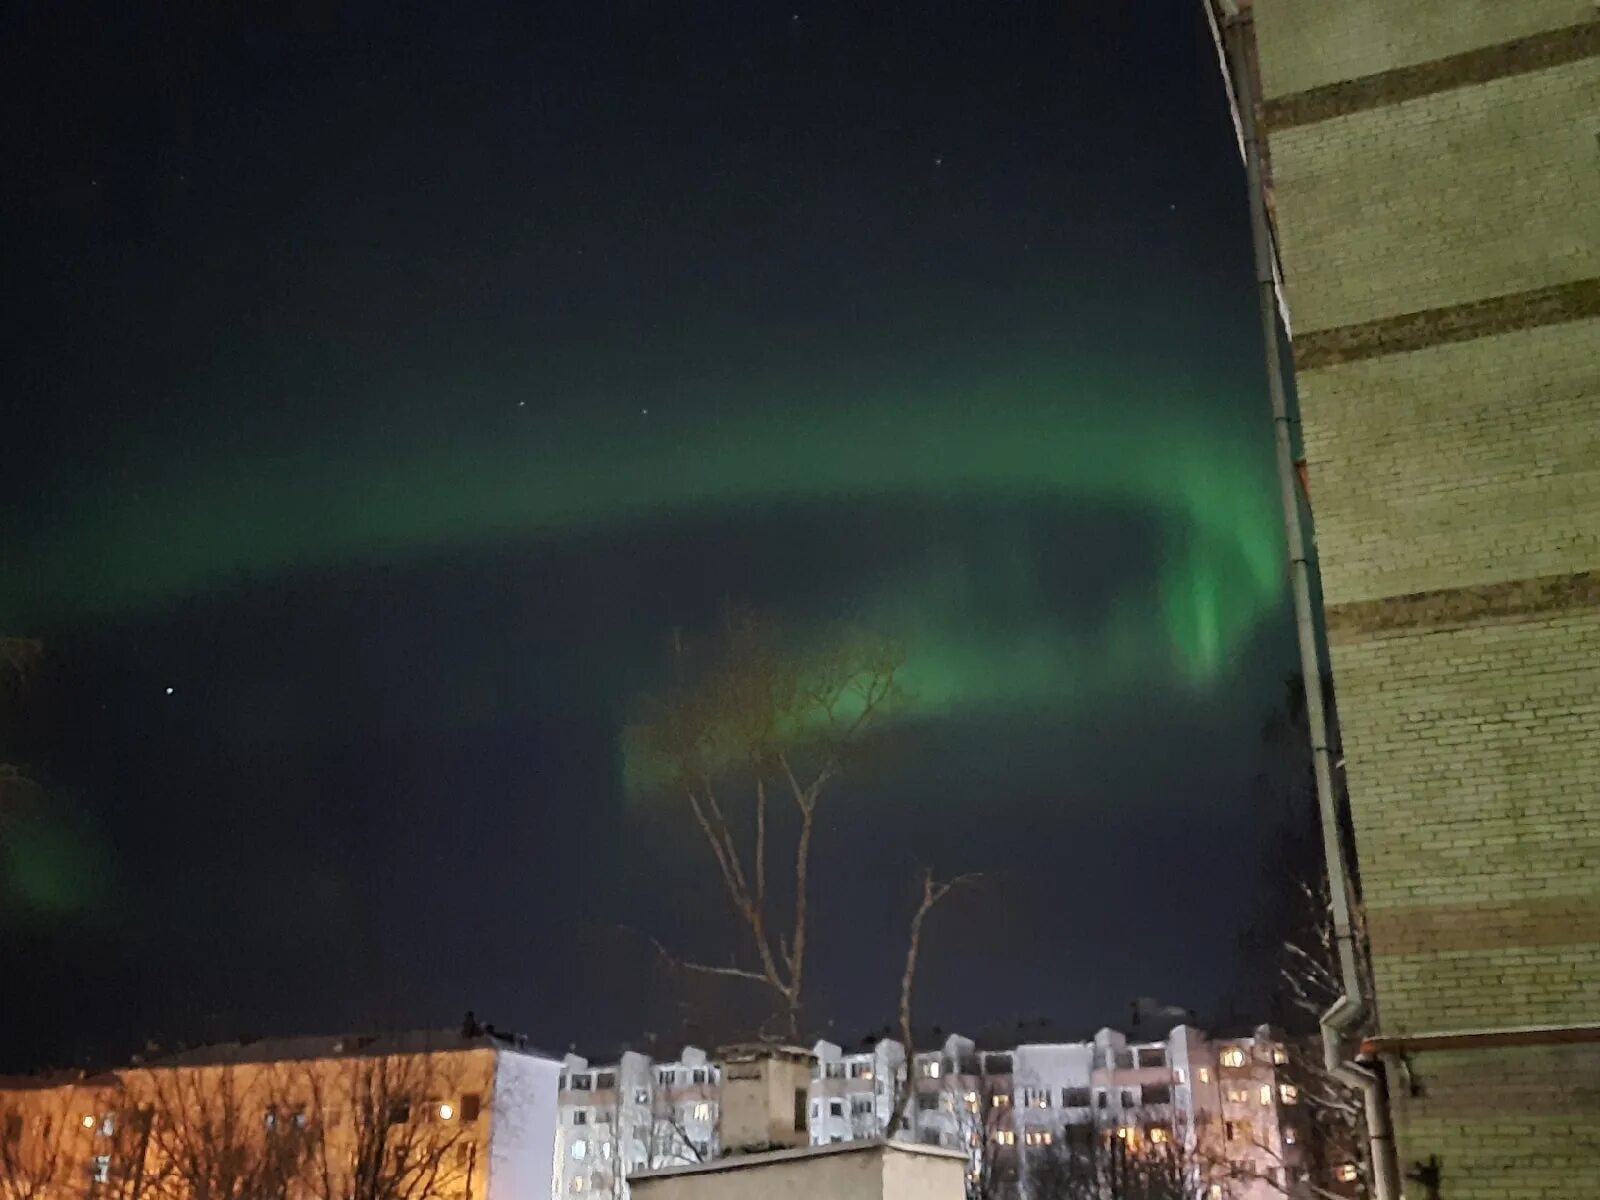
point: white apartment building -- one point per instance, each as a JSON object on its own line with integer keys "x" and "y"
{"x": 1220, "y": 1106}
{"x": 633, "y": 1115}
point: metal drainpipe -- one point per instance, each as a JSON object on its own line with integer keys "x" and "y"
{"x": 1350, "y": 1007}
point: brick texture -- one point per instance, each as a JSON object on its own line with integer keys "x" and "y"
{"x": 1376, "y": 221}
{"x": 1358, "y": 39}
{"x": 1437, "y": 193}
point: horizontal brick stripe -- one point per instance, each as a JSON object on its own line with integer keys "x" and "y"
{"x": 1441, "y": 326}
{"x": 1536, "y": 52}
{"x": 1453, "y": 608}
{"x": 1486, "y": 925}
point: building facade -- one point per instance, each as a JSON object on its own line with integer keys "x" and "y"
{"x": 1220, "y": 1111}
{"x": 1435, "y": 189}
{"x": 417, "y": 1116}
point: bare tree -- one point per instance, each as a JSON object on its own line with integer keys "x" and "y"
{"x": 1095, "y": 1161}
{"x": 36, "y": 1147}
{"x": 215, "y": 1132}
{"x": 388, "y": 1127}
{"x": 749, "y": 723}
{"x": 933, "y": 891}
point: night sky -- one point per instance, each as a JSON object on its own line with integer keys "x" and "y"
{"x": 385, "y": 382}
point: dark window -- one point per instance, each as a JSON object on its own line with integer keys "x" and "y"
{"x": 1124, "y": 1059}
{"x": 582, "y": 1083}
{"x": 1227, "y": 1131}
{"x": 1100, "y": 1100}
{"x": 562, "y": 1082}
{"x": 13, "y": 1127}
{"x": 605, "y": 1080}
{"x": 927, "y": 1101}
{"x": 1075, "y": 1097}
{"x": 861, "y": 1106}
{"x": 1130, "y": 1098}
{"x": 929, "y": 1137}
{"x": 471, "y": 1106}
{"x": 799, "y": 1110}
{"x": 399, "y": 1113}
{"x": 836, "y": 1108}
{"x": 1152, "y": 1056}
{"x": 997, "y": 1064}
{"x": 699, "y": 1075}
{"x": 1079, "y": 1136}
{"x": 1157, "y": 1093}
{"x": 580, "y": 1116}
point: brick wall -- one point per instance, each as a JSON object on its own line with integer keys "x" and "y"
{"x": 1437, "y": 193}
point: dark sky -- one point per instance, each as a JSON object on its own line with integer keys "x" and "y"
{"x": 384, "y": 381}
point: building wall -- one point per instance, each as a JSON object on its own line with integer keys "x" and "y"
{"x": 1436, "y": 189}
{"x": 110, "y": 1131}
{"x": 522, "y": 1129}
{"x": 875, "y": 1173}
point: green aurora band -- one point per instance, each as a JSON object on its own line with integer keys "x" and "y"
{"x": 216, "y": 520}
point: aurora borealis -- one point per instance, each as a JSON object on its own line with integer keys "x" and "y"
{"x": 396, "y": 384}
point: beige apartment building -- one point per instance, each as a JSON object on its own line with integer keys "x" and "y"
{"x": 416, "y": 1116}
{"x": 1432, "y": 173}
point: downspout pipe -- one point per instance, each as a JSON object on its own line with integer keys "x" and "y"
{"x": 1351, "y": 1006}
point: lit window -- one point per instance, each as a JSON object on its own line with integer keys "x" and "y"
{"x": 1040, "y": 1138}
{"x": 102, "y": 1168}
{"x": 108, "y": 1125}
{"x": 1289, "y": 1135}
{"x": 1180, "y": 1076}
{"x": 1347, "y": 1173}
{"x": 702, "y": 1111}
{"x": 1280, "y": 1055}
{"x": 605, "y": 1151}
{"x": 1214, "y": 1191}
{"x": 1266, "y": 1094}
{"x": 641, "y": 1095}
{"x": 1123, "y": 1133}
{"x": 972, "y": 1101}
{"x": 447, "y": 1112}
{"x": 1158, "y": 1135}
{"x": 931, "y": 1069}
{"x": 1290, "y": 1093}
{"x": 1233, "y": 1057}
{"x": 1004, "y": 1137}
{"x": 1205, "y": 1074}
{"x": 1001, "y": 1099}
{"x": 579, "y": 1184}
{"x": 1239, "y": 1095}
{"x": 580, "y": 1149}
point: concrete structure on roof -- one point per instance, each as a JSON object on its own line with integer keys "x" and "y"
{"x": 463, "y": 1114}
{"x": 867, "y": 1170}
{"x": 1432, "y": 180}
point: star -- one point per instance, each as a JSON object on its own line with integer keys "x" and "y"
{"x": 938, "y": 160}
{"x": 522, "y": 404}
{"x": 169, "y": 691}
{"x": 644, "y": 412}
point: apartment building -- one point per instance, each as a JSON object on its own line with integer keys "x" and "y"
{"x": 1222, "y": 1107}
{"x": 633, "y": 1115}
{"x": 466, "y": 1115}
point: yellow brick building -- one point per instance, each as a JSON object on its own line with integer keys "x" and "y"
{"x": 1434, "y": 176}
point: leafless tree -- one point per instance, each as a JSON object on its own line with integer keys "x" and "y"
{"x": 215, "y": 1132}
{"x": 1096, "y": 1161}
{"x": 751, "y": 722}
{"x": 37, "y": 1145}
{"x": 933, "y": 891}
{"x": 388, "y": 1127}
{"x": 17, "y": 656}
